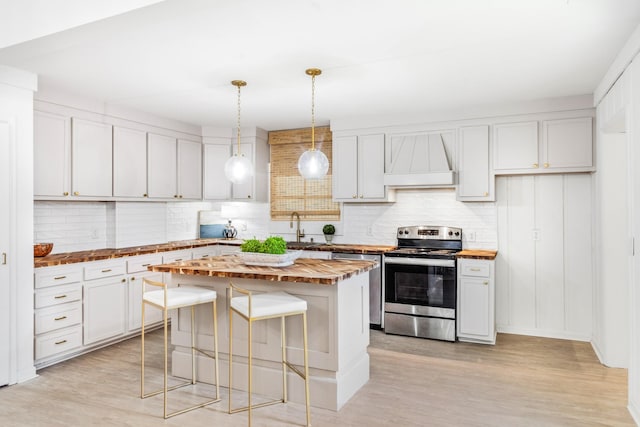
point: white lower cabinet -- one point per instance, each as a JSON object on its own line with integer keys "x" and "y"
{"x": 476, "y": 301}
{"x": 136, "y": 271}
{"x": 105, "y": 309}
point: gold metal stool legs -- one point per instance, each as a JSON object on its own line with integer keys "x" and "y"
{"x": 165, "y": 389}
{"x": 285, "y": 363}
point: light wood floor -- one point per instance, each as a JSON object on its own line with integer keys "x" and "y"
{"x": 521, "y": 381}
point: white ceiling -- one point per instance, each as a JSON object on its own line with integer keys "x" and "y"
{"x": 176, "y": 58}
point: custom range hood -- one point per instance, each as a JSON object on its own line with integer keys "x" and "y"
{"x": 420, "y": 160}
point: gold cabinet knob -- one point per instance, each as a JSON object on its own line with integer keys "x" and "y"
{"x": 546, "y": 165}
{"x": 123, "y": 280}
{"x": 66, "y": 193}
{"x": 486, "y": 282}
{"x": 249, "y": 196}
{"x": 535, "y": 165}
{"x": 75, "y": 193}
{"x": 145, "y": 195}
{"x": 133, "y": 278}
{"x": 354, "y": 196}
{"x": 486, "y": 194}
{"x": 175, "y": 196}
{"x": 180, "y": 196}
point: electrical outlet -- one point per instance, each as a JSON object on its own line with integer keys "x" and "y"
{"x": 369, "y": 230}
{"x": 471, "y": 236}
{"x": 535, "y": 234}
{"x": 94, "y": 234}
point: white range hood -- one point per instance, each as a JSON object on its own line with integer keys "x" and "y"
{"x": 420, "y": 160}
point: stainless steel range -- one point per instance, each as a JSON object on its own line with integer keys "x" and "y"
{"x": 420, "y": 293}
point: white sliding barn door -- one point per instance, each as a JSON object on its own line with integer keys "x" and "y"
{"x": 5, "y": 241}
{"x": 544, "y": 270}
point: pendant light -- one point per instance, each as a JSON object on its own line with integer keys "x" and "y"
{"x": 313, "y": 164}
{"x": 238, "y": 168}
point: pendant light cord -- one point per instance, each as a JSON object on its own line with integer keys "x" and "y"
{"x": 313, "y": 112}
{"x": 239, "y": 120}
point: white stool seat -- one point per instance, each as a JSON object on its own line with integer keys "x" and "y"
{"x": 268, "y": 304}
{"x": 180, "y": 297}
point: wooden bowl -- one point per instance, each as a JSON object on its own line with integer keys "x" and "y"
{"x": 42, "y": 249}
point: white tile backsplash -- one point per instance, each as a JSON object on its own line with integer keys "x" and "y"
{"x": 74, "y": 226}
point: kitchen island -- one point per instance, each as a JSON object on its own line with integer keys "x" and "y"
{"x": 337, "y": 295}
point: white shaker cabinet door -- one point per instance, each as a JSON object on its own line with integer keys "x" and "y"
{"x": 104, "y": 309}
{"x": 371, "y": 167}
{"x": 244, "y": 190}
{"x": 515, "y": 146}
{"x": 345, "y": 168}
{"x": 567, "y": 143}
{"x": 152, "y": 314}
{"x": 475, "y": 182}
{"x": 189, "y": 170}
{"x": 129, "y": 163}
{"x": 91, "y": 158}
{"x": 162, "y": 164}
{"x": 216, "y": 185}
{"x": 51, "y": 154}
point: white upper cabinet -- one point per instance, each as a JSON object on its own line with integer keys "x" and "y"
{"x": 129, "y": 163}
{"x": 189, "y": 170}
{"x": 244, "y": 190}
{"x": 174, "y": 168}
{"x": 254, "y": 146}
{"x": 52, "y": 155}
{"x": 91, "y": 158}
{"x": 216, "y": 185}
{"x": 566, "y": 145}
{"x": 515, "y": 147}
{"x": 358, "y": 169}
{"x": 475, "y": 181}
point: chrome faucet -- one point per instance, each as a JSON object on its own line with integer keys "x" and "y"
{"x": 299, "y": 234}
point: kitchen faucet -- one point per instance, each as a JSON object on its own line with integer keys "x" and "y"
{"x": 299, "y": 233}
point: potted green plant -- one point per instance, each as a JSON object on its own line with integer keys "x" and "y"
{"x": 328, "y": 230}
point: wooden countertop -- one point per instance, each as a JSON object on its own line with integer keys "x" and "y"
{"x": 305, "y": 270}
{"x": 102, "y": 254}
{"x": 478, "y": 254}
{"x": 341, "y": 248}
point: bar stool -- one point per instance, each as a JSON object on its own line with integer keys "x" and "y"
{"x": 264, "y": 306}
{"x": 172, "y": 298}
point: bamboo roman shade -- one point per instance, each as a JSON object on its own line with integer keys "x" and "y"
{"x": 290, "y": 192}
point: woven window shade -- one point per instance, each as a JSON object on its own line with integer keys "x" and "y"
{"x": 290, "y": 192}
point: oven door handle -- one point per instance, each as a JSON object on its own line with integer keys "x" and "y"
{"x": 429, "y": 262}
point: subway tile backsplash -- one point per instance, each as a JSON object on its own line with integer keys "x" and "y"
{"x": 75, "y": 226}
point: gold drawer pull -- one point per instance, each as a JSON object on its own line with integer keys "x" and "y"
{"x": 59, "y": 277}
{"x": 59, "y": 296}
{"x": 133, "y": 278}
{"x": 60, "y": 318}
{"x": 61, "y": 342}
{"x": 474, "y": 269}
{"x": 106, "y": 270}
{"x": 546, "y": 165}
{"x": 146, "y": 265}
{"x": 535, "y": 165}
{"x": 178, "y": 260}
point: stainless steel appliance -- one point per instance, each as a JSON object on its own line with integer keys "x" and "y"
{"x": 420, "y": 282}
{"x": 375, "y": 286}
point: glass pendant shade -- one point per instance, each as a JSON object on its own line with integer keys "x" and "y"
{"x": 313, "y": 164}
{"x": 238, "y": 169}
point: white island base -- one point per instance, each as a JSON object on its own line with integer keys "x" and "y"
{"x": 338, "y": 330}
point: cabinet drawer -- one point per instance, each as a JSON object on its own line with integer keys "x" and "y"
{"x": 58, "y": 342}
{"x": 475, "y": 269}
{"x": 176, "y": 256}
{"x": 57, "y": 317}
{"x": 58, "y": 295}
{"x": 50, "y": 276}
{"x": 204, "y": 252}
{"x": 140, "y": 263}
{"x": 104, "y": 269}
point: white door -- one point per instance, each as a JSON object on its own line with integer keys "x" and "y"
{"x": 5, "y": 203}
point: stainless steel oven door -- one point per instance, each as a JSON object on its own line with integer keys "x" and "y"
{"x": 421, "y": 282}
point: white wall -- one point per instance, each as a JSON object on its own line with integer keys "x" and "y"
{"x": 611, "y": 288}
{"x": 16, "y": 108}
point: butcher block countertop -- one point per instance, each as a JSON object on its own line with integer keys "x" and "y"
{"x": 341, "y": 248}
{"x": 305, "y": 270}
{"x": 102, "y": 254}
{"x": 477, "y": 254}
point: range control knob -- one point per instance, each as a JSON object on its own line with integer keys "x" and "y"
{"x": 450, "y": 233}
{"x": 406, "y": 231}
{"x": 457, "y": 233}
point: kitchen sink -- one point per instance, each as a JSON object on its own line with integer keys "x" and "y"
{"x": 302, "y": 245}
